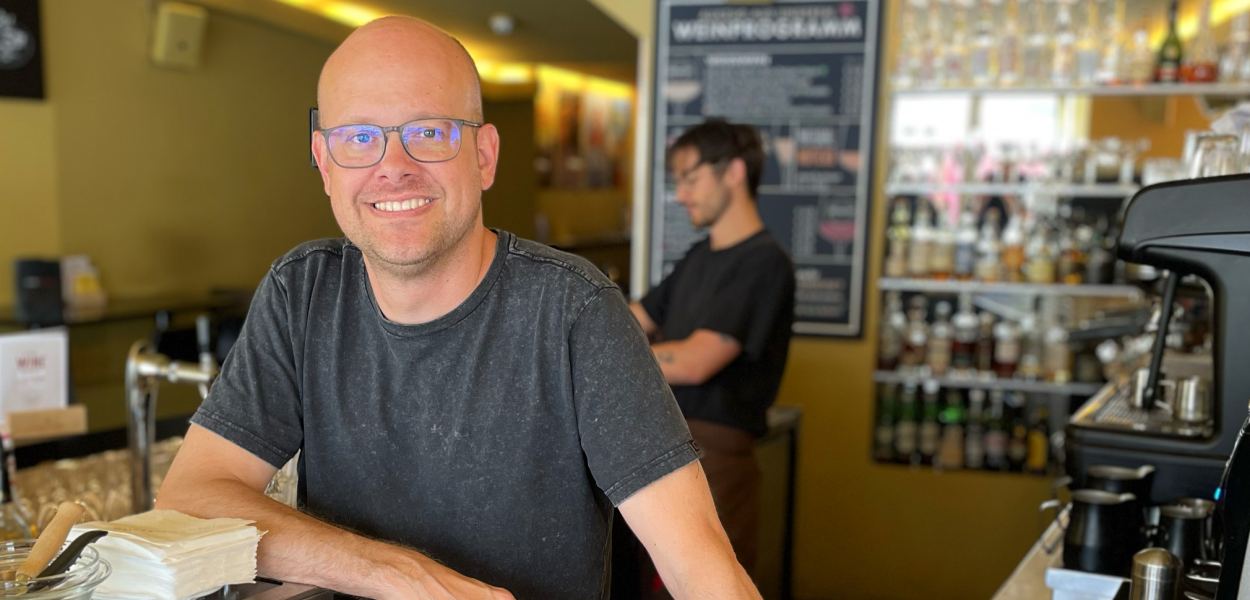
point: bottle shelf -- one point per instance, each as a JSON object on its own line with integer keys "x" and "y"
{"x": 1153, "y": 89}
{"x": 1026, "y": 289}
{"x": 1102, "y": 190}
{"x": 1006, "y": 385}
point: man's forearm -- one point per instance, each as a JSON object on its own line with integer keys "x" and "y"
{"x": 297, "y": 547}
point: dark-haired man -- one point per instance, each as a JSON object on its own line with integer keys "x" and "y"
{"x": 720, "y": 323}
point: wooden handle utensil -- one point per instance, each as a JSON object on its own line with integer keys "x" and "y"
{"x": 50, "y": 540}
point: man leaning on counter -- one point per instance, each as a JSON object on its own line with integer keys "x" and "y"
{"x": 470, "y": 405}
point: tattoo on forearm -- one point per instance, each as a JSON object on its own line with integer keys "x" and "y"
{"x": 665, "y": 357}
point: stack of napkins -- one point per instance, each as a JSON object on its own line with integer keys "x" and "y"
{"x": 164, "y": 554}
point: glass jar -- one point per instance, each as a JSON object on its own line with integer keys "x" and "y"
{"x": 76, "y": 583}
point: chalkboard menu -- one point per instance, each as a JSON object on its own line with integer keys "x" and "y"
{"x": 804, "y": 74}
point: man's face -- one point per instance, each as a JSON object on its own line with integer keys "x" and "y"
{"x": 403, "y": 214}
{"x": 701, "y": 189}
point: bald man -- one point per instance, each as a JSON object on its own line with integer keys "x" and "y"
{"x": 470, "y": 405}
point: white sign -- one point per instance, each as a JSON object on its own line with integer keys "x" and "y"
{"x": 34, "y": 372}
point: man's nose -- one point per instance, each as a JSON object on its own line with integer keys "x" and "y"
{"x": 395, "y": 163}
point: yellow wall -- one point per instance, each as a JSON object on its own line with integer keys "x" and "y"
{"x": 28, "y": 199}
{"x": 181, "y": 180}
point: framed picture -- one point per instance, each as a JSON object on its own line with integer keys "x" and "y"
{"x": 21, "y": 59}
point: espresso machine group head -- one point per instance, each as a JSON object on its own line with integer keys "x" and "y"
{"x": 1202, "y": 227}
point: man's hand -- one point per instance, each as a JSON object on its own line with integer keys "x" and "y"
{"x": 424, "y": 579}
{"x": 212, "y": 477}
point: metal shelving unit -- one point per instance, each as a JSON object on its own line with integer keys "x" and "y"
{"x": 1023, "y": 289}
{"x": 1115, "y": 191}
{"x": 1006, "y": 385}
{"x": 1154, "y": 89}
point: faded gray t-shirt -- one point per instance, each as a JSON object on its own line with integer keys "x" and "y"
{"x": 495, "y": 439}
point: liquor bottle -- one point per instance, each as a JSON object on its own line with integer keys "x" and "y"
{"x": 964, "y": 339}
{"x": 1058, "y": 363}
{"x": 1113, "y": 60}
{"x": 955, "y": 55}
{"x": 1088, "y": 52}
{"x": 1013, "y": 251}
{"x": 893, "y": 328}
{"x": 951, "y": 448}
{"x": 1040, "y": 267}
{"x": 940, "y": 340}
{"x": 921, "y": 241}
{"x": 1235, "y": 62}
{"x": 989, "y": 263}
{"x": 1006, "y": 349}
{"x": 1168, "y": 60}
{"x": 1009, "y": 44}
{"x": 1201, "y": 63}
{"x": 983, "y": 58}
{"x": 898, "y": 234}
{"x": 966, "y": 245}
{"x": 1100, "y": 263}
{"x": 15, "y": 523}
{"x": 1063, "y": 60}
{"x": 1071, "y": 265}
{"x": 1030, "y": 367}
{"x": 974, "y": 434}
{"x": 905, "y": 427}
{"x": 985, "y": 345}
{"x": 942, "y": 249}
{"x": 1035, "y": 59}
{"x": 915, "y": 341}
{"x": 996, "y": 434}
{"x": 1038, "y": 460}
{"x": 1018, "y": 436}
{"x": 930, "y": 430}
{"x": 1141, "y": 68}
{"x": 907, "y": 68}
{"x": 883, "y": 439}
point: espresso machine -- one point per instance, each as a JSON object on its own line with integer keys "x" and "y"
{"x": 1187, "y": 228}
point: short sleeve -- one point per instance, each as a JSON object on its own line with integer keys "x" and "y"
{"x": 255, "y": 401}
{"x": 632, "y": 431}
{"x": 753, "y": 305}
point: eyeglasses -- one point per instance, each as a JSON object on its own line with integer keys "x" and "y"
{"x": 425, "y": 140}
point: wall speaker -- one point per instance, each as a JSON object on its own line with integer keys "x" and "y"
{"x": 179, "y": 34}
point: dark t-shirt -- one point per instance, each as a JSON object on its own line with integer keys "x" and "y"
{"x": 745, "y": 291}
{"x": 496, "y": 439}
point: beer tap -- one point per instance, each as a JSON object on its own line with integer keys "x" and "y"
{"x": 145, "y": 369}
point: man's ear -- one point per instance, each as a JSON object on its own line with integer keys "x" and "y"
{"x": 322, "y": 155}
{"x": 487, "y": 154}
{"x": 736, "y": 172}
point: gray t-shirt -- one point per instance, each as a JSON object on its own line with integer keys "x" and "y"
{"x": 495, "y": 439}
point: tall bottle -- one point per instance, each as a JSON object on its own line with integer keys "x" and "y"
{"x": 15, "y": 523}
{"x": 1063, "y": 61}
{"x": 1038, "y": 461}
{"x": 1235, "y": 62}
{"x": 985, "y": 345}
{"x": 942, "y": 249}
{"x": 1088, "y": 51}
{"x": 1030, "y": 365}
{"x": 1006, "y": 349}
{"x": 1113, "y": 61}
{"x": 921, "y": 241}
{"x": 1013, "y": 250}
{"x": 1018, "y": 434}
{"x": 1040, "y": 267}
{"x": 1201, "y": 61}
{"x": 905, "y": 427}
{"x": 940, "y": 340}
{"x": 1010, "y": 44}
{"x": 951, "y": 447}
{"x": 983, "y": 58}
{"x": 1036, "y": 58}
{"x": 964, "y": 339}
{"x": 1168, "y": 59}
{"x": 883, "y": 438}
{"x": 966, "y": 245}
{"x": 996, "y": 434}
{"x": 898, "y": 235}
{"x": 974, "y": 433}
{"x": 955, "y": 64}
{"x": 989, "y": 264}
{"x": 916, "y": 339}
{"x": 930, "y": 430}
{"x": 893, "y": 328}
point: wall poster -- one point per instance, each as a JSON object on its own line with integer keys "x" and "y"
{"x": 805, "y": 74}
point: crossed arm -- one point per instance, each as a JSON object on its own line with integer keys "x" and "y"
{"x": 212, "y": 477}
{"x": 689, "y": 361}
